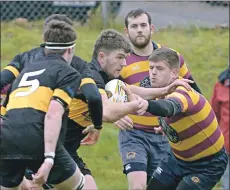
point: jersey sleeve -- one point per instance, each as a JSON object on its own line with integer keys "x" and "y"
{"x": 183, "y": 97}
{"x": 99, "y": 81}
{"x": 68, "y": 81}
{"x": 11, "y": 71}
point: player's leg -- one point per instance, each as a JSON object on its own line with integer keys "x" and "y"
{"x": 204, "y": 174}
{"x": 134, "y": 157}
{"x": 225, "y": 177}
{"x": 158, "y": 147}
{"x": 167, "y": 174}
{"x": 89, "y": 180}
{"x": 74, "y": 136}
{"x": 11, "y": 173}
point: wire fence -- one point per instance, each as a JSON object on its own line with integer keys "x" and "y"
{"x": 34, "y": 10}
{"x": 79, "y": 11}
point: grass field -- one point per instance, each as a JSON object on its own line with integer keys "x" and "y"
{"x": 206, "y": 53}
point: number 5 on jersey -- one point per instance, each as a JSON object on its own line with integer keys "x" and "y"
{"x": 33, "y": 83}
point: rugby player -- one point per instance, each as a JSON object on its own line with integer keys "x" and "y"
{"x": 142, "y": 147}
{"x": 197, "y": 158}
{"x": 88, "y": 91}
{"x": 36, "y": 113}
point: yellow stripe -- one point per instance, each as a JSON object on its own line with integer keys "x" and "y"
{"x": 3, "y": 110}
{"x": 183, "y": 70}
{"x": 198, "y": 138}
{"x": 12, "y": 70}
{"x": 187, "y": 122}
{"x": 194, "y": 96}
{"x": 134, "y": 68}
{"x": 159, "y": 45}
{"x": 63, "y": 95}
{"x": 87, "y": 81}
{"x": 102, "y": 91}
{"x": 207, "y": 152}
{"x": 38, "y": 100}
{"x": 144, "y": 120}
{"x": 79, "y": 112}
{"x": 182, "y": 98}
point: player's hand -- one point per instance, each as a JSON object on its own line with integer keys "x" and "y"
{"x": 143, "y": 105}
{"x": 159, "y": 130}
{"x": 179, "y": 82}
{"x": 92, "y": 137}
{"x": 129, "y": 94}
{"x": 42, "y": 174}
{"x": 125, "y": 123}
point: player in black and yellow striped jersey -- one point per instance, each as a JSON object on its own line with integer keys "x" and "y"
{"x": 88, "y": 89}
{"x": 36, "y": 113}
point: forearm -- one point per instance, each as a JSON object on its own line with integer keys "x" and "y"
{"x": 115, "y": 111}
{"x": 94, "y": 101}
{"x": 164, "y": 108}
{"x": 148, "y": 93}
{"x": 51, "y": 131}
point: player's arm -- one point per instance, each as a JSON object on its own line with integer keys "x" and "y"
{"x": 175, "y": 103}
{"x": 92, "y": 95}
{"x": 10, "y": 72}
{"x": 67, "y": 84}
{"x": 113, "y": 111}
{"x": 5, "y": 91}
{"x": 153, "y": 93}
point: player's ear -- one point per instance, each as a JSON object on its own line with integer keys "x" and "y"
{"x": 175, "y": 73}
{"x": 152, "y": 28}
{"x": 101, "y": 57}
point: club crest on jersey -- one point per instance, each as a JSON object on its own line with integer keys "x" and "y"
{"x": 169, "y": 131}
{"x": 130, "y": 155}
{"x": 195, "y": 179}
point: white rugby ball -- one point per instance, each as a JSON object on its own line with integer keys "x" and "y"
{"x": 114, "y": 91}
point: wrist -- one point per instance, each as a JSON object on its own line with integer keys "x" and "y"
{"x": 98, "y": 127}
{"x": 49, "y": 155}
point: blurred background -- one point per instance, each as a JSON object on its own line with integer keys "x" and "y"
{"x": 198, "y": 30}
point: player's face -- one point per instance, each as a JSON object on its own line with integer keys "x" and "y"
{"x": 114, "y": 63}
{"x": 139, "y": 31}
{"x": 161, "y": 74}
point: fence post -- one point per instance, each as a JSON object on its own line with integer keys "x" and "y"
{"x": 104, "y": 13}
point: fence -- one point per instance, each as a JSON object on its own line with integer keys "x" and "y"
{"x": 76, "y": 10}
{"x": 79, "y": 11}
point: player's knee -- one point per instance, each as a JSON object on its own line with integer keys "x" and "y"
{"x": 90, "y": 182}
{"x": 75, "y": 182}
{"x": 80, "y": 185}
{"x": 137, "y": 180}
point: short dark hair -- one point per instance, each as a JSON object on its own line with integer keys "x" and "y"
{"x": 136, "y": 13}
{"x": 58, "y": 32}
{"x": 59, "y": 17}
{"x": 111, "y": 40}
{"x": 167, "y": 55}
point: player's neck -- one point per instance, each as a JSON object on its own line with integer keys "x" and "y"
{"x": 146, "y": 51}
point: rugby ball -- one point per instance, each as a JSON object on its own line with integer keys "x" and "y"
{"x": 114, "y": 91}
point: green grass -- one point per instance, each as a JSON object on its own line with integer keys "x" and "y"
{"x": 205, "y": 52}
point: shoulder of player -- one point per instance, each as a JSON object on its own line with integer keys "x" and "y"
{"x": 77, "y": 61}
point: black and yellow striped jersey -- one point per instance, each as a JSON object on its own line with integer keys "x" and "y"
{"x": 31, "y": 92}
{"x": 91, "y": 101}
